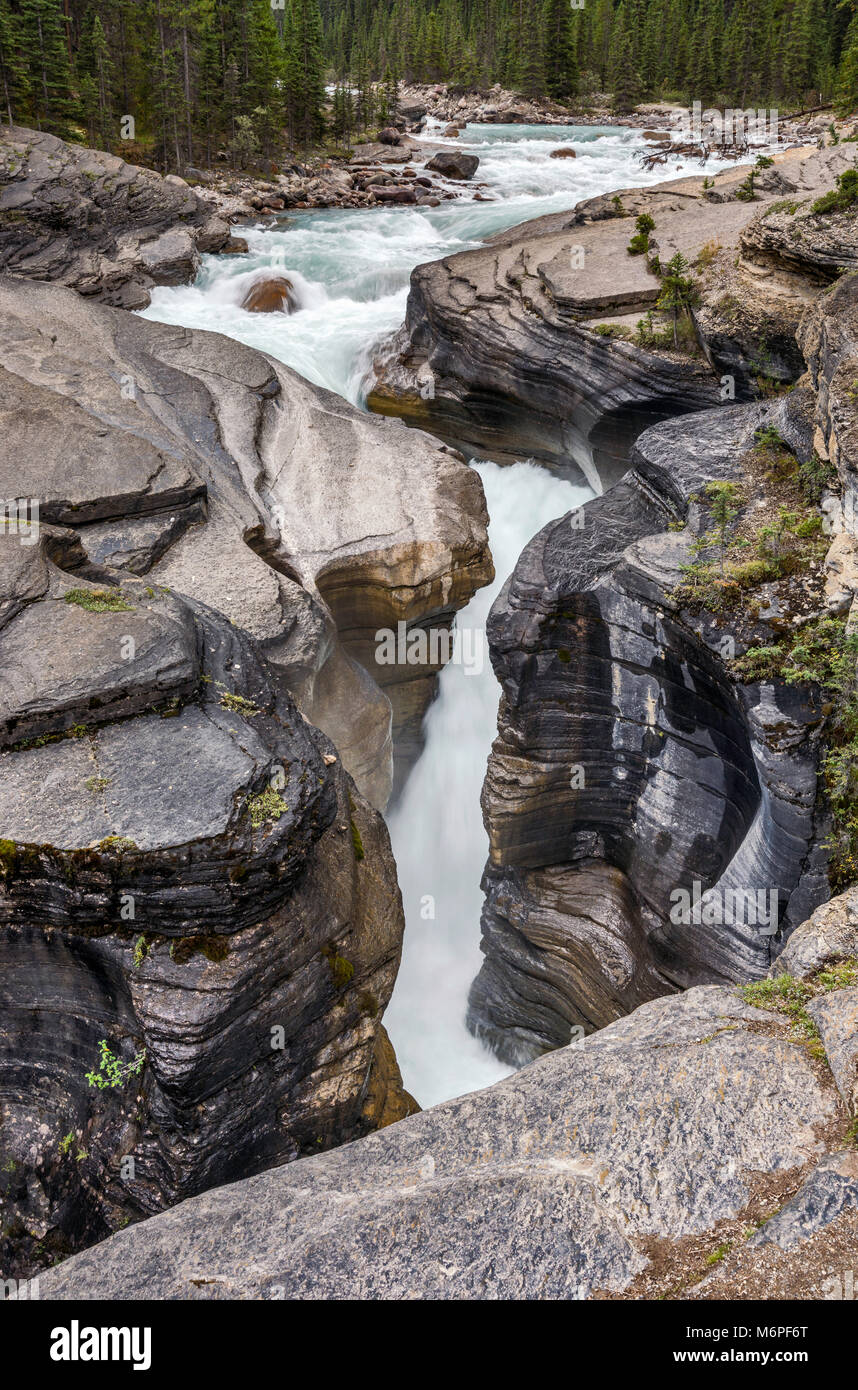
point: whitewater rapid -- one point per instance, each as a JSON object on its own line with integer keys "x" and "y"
{"x": 350, "y": 270}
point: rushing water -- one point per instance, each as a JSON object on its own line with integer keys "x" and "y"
{"x": 350, "y": 269}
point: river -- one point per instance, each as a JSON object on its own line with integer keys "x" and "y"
{"x": 351, "y": 270}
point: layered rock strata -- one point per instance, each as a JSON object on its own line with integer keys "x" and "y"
{"x": 90, "y": 220}
{"x": 631, "y": 762}
{"x": 200, "y": 923}
{"x": 519, "y": 349}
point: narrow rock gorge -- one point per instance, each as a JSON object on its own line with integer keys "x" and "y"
{"x": 204, "y": 544}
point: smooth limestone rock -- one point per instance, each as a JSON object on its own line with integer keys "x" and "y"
{"x": 189, "y": 879}
{"x": 630, "y": 763}
{"x": 222, "y": 474}
{"x": 556, "y": 1183}
{"x": 91, "y": 221}
{"x": 500, "y": 353}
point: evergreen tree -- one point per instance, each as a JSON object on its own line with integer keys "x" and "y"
{"x": 560, "y": 66}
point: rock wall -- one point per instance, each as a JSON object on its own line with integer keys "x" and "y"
{"x": 90, "y": 220}
{"x": 630, "y": 761}
{"x": 191, "y": 881}
{"x": 521, "y": 348}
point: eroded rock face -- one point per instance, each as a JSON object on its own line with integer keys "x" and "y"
{"x": 91, "y": 221}
{"x": 631, "y": 763}
{"x": 500, "y": 353}
{"x": 694, "y": 1113}
{"x": 222, "y": 474}
{"x": 191, "y": 881}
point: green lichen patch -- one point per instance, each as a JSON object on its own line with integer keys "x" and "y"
{"x": 116, "y": 844}
{"x": 342, "y": 970}
{"x": 99, "y": 600}
{"x": 237, "y": 704}
{"x": 266, "y": 807}
{"x": 96, "y": 785}
{"x": 357, "y": 842}
{"x": 788, "y": 996}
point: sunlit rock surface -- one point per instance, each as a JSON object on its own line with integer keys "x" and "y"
{"x": 219, "y": 472}
{"x": 584, "y": 1174}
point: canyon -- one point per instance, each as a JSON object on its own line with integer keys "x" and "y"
{"x": 251, "y": 532}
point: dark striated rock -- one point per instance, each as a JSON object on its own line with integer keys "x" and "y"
{"x": 91, "y": 221}
{"x": 631, "y": 763}
{"x": 189, "y": 879}
{"x": 562, "y": 1181}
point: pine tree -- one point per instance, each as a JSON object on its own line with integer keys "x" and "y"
{"x": 560, "y": 65}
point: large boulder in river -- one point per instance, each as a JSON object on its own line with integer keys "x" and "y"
{"x": 272, "y": 296}
{"x": 91, "y": 221}
{"x": 200, "y": 922}
{"x": 219, "y": 472}
{"x": 565, "y": 152}
{"x": 639, "y": 1163}
{"x": 454, "y": 164}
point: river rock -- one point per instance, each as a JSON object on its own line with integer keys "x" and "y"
{"x": 91, "y": 221}
{"x": 454, "y": 164}
{"x": 392, "y": 195}
{"x": 565, "y": 152}
{"x": 560, "y": 1182}
{"x": 218, "y": 472}
{"x": 389, "y": 136}
{"x": 274, "y": 296}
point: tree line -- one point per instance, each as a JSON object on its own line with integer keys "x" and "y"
{"x": 733, "y": 52}
{"x": 194, "y": 76}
